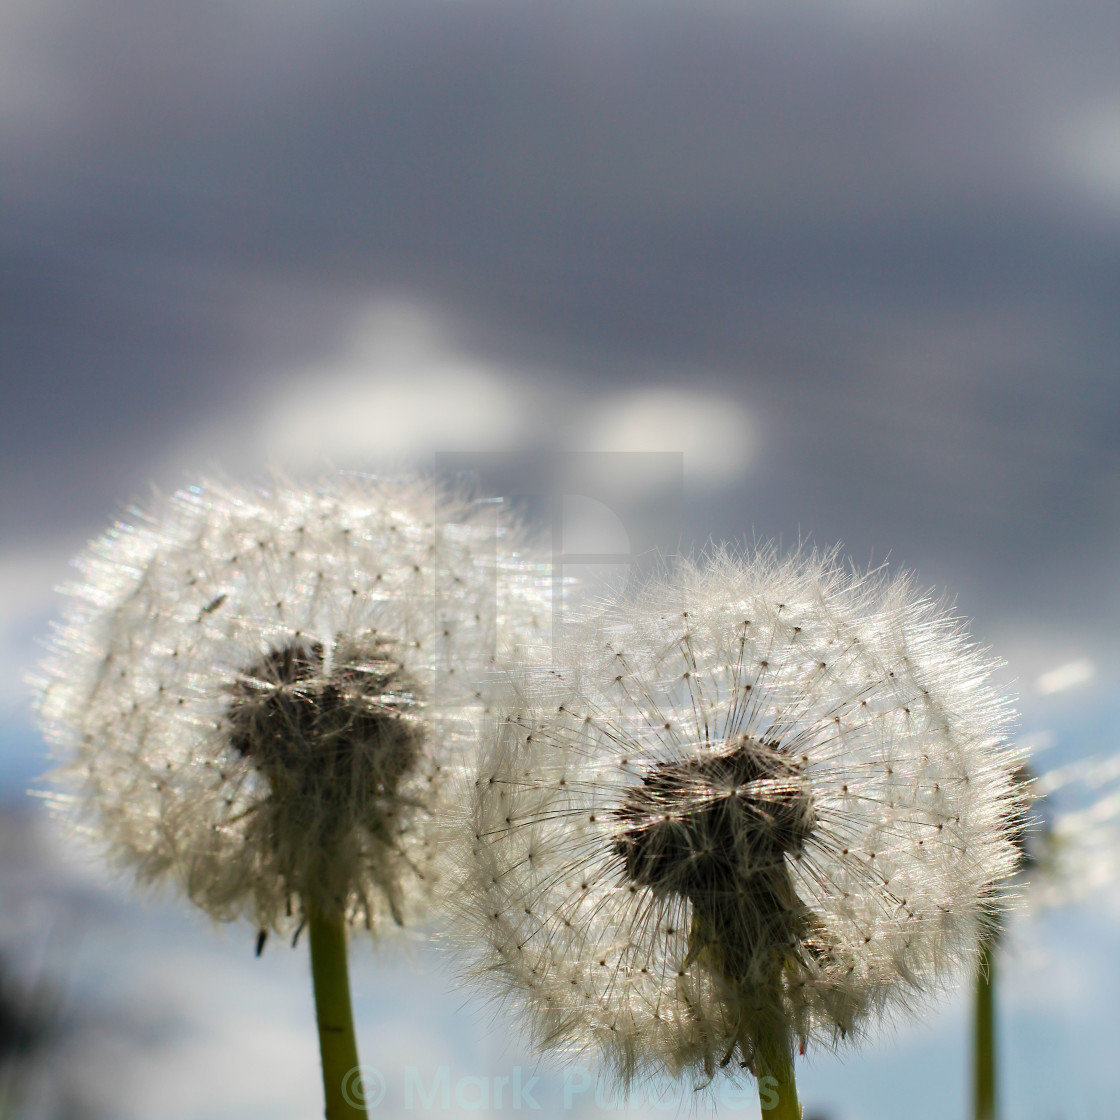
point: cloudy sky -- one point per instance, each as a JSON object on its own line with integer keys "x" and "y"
{"x": 858, "y": 260}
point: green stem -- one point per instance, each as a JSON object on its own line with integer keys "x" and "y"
{"x": 777, "y": 1086}
{"x": 984, "y": 1050}
{"x": 342, "y": 1085}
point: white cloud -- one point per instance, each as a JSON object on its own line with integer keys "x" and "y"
{"x": 714, "y": 433}
{"x": 400, "y": 389}
{"x": 255, "y": 1058}
{"x": 1070, "y": 675}
{"x": 397, "y": 390}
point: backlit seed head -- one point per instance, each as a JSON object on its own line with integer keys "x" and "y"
{"x": 259, "y": 695}
{"x": 766, "y": 798}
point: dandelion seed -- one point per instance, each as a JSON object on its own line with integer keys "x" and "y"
{"x": 768, "y": 803}
{"x": 259, "y": 696}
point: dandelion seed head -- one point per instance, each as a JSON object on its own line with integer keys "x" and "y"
{"x": 765, "y": 797}
{"x": 260, "y": 694}
{"x": 1072, "y": 838}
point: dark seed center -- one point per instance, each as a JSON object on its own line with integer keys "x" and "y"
{"x": 707, "y": 826}
{"x": 343, "y": 731}
{"x": 716, "y": 830}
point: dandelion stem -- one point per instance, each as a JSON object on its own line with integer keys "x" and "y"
{"x": 777, "y": 1085}
{"x": 342, "y": 1085}
{"x": 983, "y": 1029}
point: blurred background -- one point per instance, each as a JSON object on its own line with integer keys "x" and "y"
{"x": 858, "y": 261}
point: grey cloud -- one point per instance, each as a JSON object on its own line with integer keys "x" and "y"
{"x": 854, "y": 220}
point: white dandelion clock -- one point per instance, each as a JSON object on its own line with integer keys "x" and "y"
{"x": 259, "y": 695}
{"x": 1080, "y": 841}
{"x": 754, "y": 808}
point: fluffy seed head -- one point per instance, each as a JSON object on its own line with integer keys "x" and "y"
{"x": 766, "y": 799}
{"x": 1072, "y": 840}
{"x": 259, "y": 693}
